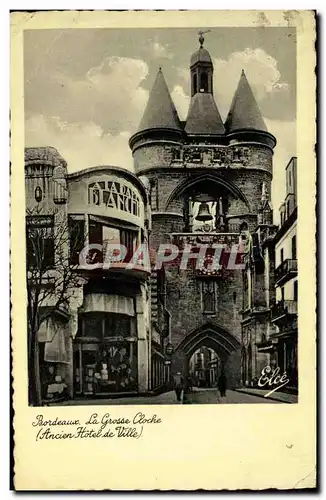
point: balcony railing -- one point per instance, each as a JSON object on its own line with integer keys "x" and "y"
{"x": 284, "y": 308}
{"x": 286, "y": 270}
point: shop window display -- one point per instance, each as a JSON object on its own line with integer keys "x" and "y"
{"x": 105, "y": 355}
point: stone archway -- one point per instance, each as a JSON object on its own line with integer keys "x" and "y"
{"x": 214, "y": 179}
{"x": 226, "y": 346}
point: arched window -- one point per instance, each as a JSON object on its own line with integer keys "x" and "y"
{"x": 194, "y": 83}
{"x": 204, "y": 82}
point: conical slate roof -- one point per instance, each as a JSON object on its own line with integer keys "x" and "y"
{"x": 203, "y": 116}
{"x": 244, "y": 112}
{"x": 160, "y": 111}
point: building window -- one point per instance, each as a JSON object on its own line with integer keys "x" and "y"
{"x": 40, "y": 242}
{"x": 282, "y": 293}
{"x": 295, "y": 290}
{"x": 76, "y": 237}
{"x": 294, "y": 247}
{"x": 104, "y": 234}
{"x": 208, "y": 297}
{"x": 288, "y": 208}
{"x": 282, "y": 255}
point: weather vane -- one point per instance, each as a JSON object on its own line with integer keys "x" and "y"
{"x": 201, "y": 38}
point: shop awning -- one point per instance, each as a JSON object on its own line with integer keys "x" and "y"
{"x": 99, "y": 302}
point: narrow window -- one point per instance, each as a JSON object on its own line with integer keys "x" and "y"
{"x": 40, "y": 242}
{"x": 295, "y": 290}
{"x": 194, "y": 83}
{"x": 288, "y": 208}
{"x": 204, "y": 82}
{"x": 209, "y": 297}
{"x": 282, "y": 255}
{"x": 294, "y": 247}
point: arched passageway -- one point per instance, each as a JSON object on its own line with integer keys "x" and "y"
{"x": 210, "y": 338}
{"x": 204, "y": 367}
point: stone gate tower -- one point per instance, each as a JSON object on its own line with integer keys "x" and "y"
{"x": 205, "y": 179}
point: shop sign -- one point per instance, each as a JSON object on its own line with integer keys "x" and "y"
{"x": 115, "y": 195}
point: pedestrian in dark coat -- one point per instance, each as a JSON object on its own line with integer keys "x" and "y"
{"x": 222, "y": 384}
{"x": 178, "y": 385}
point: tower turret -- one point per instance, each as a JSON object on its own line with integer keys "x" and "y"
{"x": 160, "y": 125}
{"x": 203, "y": 116}
{"x": 244, "y": 121}
{"x": 201, "y": 70}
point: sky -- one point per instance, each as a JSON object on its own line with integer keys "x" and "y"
{"x": 86, "y": 89}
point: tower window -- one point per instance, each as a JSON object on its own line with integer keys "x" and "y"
{"x": 204, "y": 82}
{"x": 208, "y": 290}
{"x": 194, "y": 83}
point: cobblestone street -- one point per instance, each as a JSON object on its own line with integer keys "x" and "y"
{"x": 198, "y": 396}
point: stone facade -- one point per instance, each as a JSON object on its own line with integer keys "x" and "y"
{"x": 184, "y": 165}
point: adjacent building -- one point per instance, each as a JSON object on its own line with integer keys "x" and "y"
{"x": 93, "y": 326}
{"x": 284, "y": 313}
{"x": 269, "y": 326}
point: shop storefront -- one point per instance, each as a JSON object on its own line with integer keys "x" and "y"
{"x": 105, "y": 347}
{"x": 286, "y": 356}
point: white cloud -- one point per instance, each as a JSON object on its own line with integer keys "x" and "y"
{"x": 285, "y": 133}
{"x": 160, "y": 51}
{"x": 81, "y": 144}
{"x": 261, "y": 71}
{"x": 181, "y": 101}
{"x": 109, "y": 94}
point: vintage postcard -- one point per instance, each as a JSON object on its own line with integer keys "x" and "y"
{"x": 163, "y": 183}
